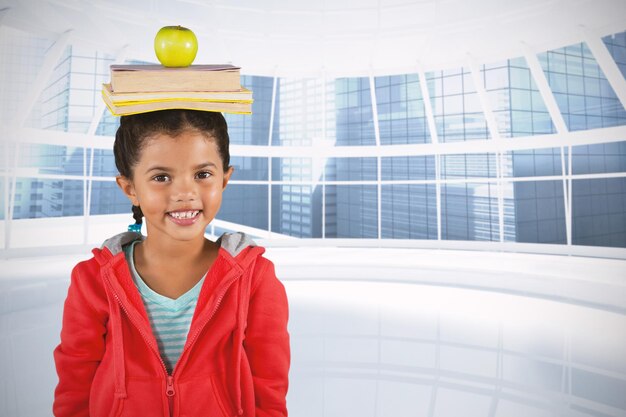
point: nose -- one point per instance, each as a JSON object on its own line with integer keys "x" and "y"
{"x": 183, "y": 190}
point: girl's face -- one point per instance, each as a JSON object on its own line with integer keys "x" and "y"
{"x": 178, "y": 183}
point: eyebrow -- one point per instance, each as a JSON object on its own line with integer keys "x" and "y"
{"x": 166, "y": 169}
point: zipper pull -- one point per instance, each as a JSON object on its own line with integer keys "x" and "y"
{"x": 170, "y": 386}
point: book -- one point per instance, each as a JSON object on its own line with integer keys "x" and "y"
{"x": 136, "y": 107}
{"x": 157, "y": 78}
{"x": 242, "y": 95}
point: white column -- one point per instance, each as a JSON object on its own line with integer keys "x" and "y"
{"x": 93, "y": 126}
{"x": 492, "y": 125}
{"x": 269, "y": 161}
{"x": 432, "y": 126}
{"x": 378, "y": 162}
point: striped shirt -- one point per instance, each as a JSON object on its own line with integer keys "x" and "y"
{"x": 170, "y": 319}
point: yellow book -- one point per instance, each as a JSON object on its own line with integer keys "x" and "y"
{"x": 136, "y": 107}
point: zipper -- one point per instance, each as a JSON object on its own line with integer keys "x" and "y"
{"x": 170, "y": 386}
{"x": 169, "y": 390}
{"x": 170, "y": 378}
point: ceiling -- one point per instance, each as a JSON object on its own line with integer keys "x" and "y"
{"x": 338, "y": 37}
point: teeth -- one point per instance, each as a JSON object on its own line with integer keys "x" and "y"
{"x": 184, "y": 214}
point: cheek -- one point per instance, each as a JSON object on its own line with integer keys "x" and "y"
{"x": 213, "y": 196}
{"x": 151, "y": 200}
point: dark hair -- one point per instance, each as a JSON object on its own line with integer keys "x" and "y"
{"x": 135, "y": 130}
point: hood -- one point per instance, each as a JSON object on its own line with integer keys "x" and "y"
{"x": 233, "y": 243}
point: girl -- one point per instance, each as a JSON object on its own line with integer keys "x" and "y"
{"x": 173, "y": 324}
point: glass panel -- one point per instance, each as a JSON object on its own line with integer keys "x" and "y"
{"x": 600, "y": 158}
{"x": 599, "y": 212}
{"x": 354, "y": 115}
{"x": 534, "y": 162}
{"x": 254, "y": 129}
{"x": 21, "y": 57}
{"x": 351, "y": 211}
{"x": 35, "y": 198}
{"x": 4, "y": 199}
{"x": 583, "y": 94}
{"x": 616, "y": 45}
{"x": 107, "y": 198}
{"x": 409, "y": 212}
{"x": 246, "y": 205}
{"x": 517, "y": 104}
{"x": 457, "y": 112}
{"x": 299, "y": 112}
{"x": 469, "y": 212}
{"x": 468, "y": 166}
{"x": 108, "y": 124}
{"x": 401, "y": 114}
{"x": 292, "y": 169}
{"x": 103, "y": 163}
{"x": 50, "y": 159}
{"x": 539, "y": 212}
{"x": 247, "y": 168}
{"x": 297, "y": 210}
{"x": 408, "y": 168}
{"x": 351, "y": 169}
{"x": 70, "y": 100}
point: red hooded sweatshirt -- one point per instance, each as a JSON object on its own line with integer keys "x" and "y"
{"x": 235, "y": 361}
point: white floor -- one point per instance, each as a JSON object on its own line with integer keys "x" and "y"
{"x": 390, "y": 332}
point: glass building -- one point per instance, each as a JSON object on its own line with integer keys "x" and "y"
{"x": 378, "y": 126}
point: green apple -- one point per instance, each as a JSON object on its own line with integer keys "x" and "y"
{"x": 175, "y": 46}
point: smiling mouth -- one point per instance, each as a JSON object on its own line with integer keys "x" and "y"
{"x": 183, "y": 215}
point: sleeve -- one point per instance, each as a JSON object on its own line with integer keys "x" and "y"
{"x": 81, "y": 349}
{"x": 267, "y": 343}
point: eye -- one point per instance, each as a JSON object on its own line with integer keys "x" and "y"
{"x": 202, "y": 175}
{"x": 161, "y": 178}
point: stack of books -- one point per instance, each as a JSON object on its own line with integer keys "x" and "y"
{"x": 143, "y": 88}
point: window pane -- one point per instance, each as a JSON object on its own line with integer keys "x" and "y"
{"x": 599, "y": 158}
{"x": 616, "y": 45}
{"x": 107, "y": 198}
{"x": 351, "y": 169}
{"x": 299, "y": 111}
{"x": 515, "y": 100}
{"x": 50, "y": 159}
{"x": 246, "y": 168}
{"x": 355, "y": 121}
{"x": 408, "y": 168}
{"x": 103, "y": 163}
{"x": 351, "y": 211}
{"x": 457, "y": 112}
{"x": 4, "y": 185}
{"x": 246, "y": 205}
{"x": 292, "y": 169}
{"x": 468, "y": 166}
{"x": 297, "y": 210}
{"x": 469, "y": 212}
{"x": 401, "y": 114}
{"x": 569, "y": 70}
{"x": 409, "y": 212}
{"x": 534, "y": 162}
{"x": 599, "y": 212}
{"x": 253, "y": 129}
{"x": 36, "y": 198}
{"x": 539, "y": 212}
